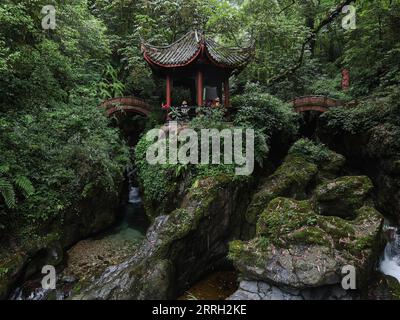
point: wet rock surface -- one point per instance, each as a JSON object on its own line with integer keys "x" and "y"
{"x": 257, "y": 290}
{"x": 342, "y": 196}
{"x": 303, "y": 245}
{"x": 374, "y": 152}
{"x": 84, "y": 262}
{"x": 179, "y": 248}
{"x": 44, "y": 244}
{"x": 89, "y": 258}
{"x": 291, "y": 179}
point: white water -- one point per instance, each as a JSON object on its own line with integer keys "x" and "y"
{"x": 134, "y": 197}
{"x": 390, "y": 262}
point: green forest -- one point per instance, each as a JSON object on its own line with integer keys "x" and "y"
{"x": 324, "y": 194}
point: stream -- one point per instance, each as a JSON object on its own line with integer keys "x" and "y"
{"x": 89, "y": 258}
{"x": 390, "y": 261}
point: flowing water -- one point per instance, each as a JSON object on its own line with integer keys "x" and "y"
{"x": 89, "y": 258}
{"x": 390, "y": 261}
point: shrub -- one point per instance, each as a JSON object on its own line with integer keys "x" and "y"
{"x": 312, "y": 151}
{"x": 374, "y": 110}
{"x": 266, "y": 113}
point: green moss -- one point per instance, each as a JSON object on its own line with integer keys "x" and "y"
{"x": 263, "y": 243}
{"x": 235, "y": 249}
{"x": 336, "y": 227}
{"x": 295, "y": 170}
{"x": 249, "y": 253}
{"x": 282, "y": 217}
{"x": 179, "y": 223}
{"x": 11, "y": 264}
{"x": 353, "y": 188}
{"x": 361, "y": 244}
{"x": 311, "y": 151}
{"x": 289, "y": 180}
{"x": 367, "y": 213}
{"x": 394, "y": 287}
{"x": 342, "y": 196}
{"x": 310, "y": 235}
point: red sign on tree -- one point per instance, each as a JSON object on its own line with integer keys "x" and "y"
{"x": 345, "y": 79}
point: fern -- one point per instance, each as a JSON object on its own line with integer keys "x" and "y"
{"x": 4, "y": 168}
{"x": 25, "y": 185}
{"x": 8, "y": 193}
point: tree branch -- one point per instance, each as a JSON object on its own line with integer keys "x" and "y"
{"x": 287, "y": 7}
{"x": 327, "y": 20}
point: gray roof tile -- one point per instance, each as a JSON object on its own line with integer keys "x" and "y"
{"x": 187, "y": 48}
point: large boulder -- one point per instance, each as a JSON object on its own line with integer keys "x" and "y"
{"x": 23, "y": 259}
{"x": 331, "y": 167}
{"x": 295, "y": 247}
{"x": 10, "y": 269}
{"x": 258, "y": 290}
{"x": 384, "y": 287}
{"x": 343, "y": 196}
{"x": 291, "y": 179}
{"x": 376, "y": 152}
{"x": 181, "y": 247}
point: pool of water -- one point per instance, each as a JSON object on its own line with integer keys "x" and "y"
{"x": 215, "y": 286}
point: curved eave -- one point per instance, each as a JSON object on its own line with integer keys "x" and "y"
{"x": 151, "y": 61}
{"x": 206, "y": 48}
{"x": 224, "y": 65}
{"x": 238, "y": 60}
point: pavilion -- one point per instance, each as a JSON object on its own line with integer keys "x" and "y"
{"x": 197, "y": 62}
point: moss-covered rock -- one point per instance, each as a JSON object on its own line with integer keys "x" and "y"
{"x": 42, "y": 243}
{"x": 283, "y": 216}
{"x": 192, "y": 238}
{"x": 10, "y": 268}
{"x": 332, "y": 167}
{"x": 384, "y": 287}
{"x": 329, "y": 163}
{"x": 342, "y": 196}
{"x": 299, "y": 248}
{"x": 291, "y": 179}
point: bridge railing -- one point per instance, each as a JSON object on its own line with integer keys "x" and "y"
{"x": 315, "y": 100}
{"x": 126, "y": 101}
{"x": 126, "y": 104}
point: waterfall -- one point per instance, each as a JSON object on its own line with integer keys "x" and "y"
{"x": 134, "y": 192}
{"x": 390, "y": 262}
{"x": 134, "y": 197}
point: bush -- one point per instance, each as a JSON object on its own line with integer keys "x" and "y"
{"x": 329, "y": 87}
{"x": 53, "y": 135}
{"x": 312, "y": 151}
{"x": 68, "y": 153}
{"x": 163, "y": 181}
{"x": 369, "y": 112}
{"x": 266, "y": 113}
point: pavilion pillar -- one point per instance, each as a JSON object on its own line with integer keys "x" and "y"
{"x": 227, "y": 102}
{"x": 168, "y": 90}
{"x": 199, "y": 80}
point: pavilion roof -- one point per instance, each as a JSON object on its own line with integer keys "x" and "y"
{"x": 192, "y": 46}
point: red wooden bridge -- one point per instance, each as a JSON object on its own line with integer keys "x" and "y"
{"x": 128, "y": 105}
{"x": 315, "y": 103}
